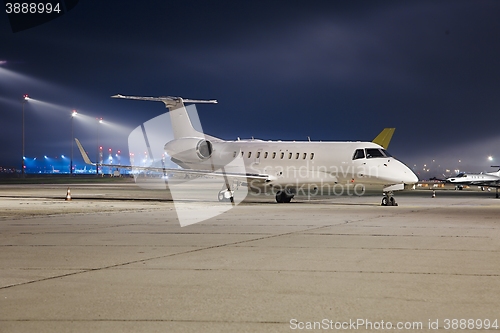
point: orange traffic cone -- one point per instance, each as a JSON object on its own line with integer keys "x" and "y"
{"x": 68, "y": 195}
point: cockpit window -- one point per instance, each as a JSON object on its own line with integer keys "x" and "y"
{"x": 386, "y": 153}
{"x": 359, "y": 153}
{"x": 374, "y": 153}
{"x": 461, "y": 175}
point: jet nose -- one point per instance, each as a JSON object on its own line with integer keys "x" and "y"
{"x": 407, "y": 175}
{"x": 410, "y": 178}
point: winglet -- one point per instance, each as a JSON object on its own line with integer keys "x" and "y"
{"x": 82, "y": 151}
{"x": 384, "y": 138}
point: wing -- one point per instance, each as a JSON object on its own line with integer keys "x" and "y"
{"x": 492, "y": 183}
{"x": 244, "y": 177}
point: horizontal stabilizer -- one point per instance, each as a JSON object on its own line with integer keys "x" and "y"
{"x": 168, "y": 100}
{"x": 179, "y": 117}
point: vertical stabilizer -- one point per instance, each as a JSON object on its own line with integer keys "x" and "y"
{"x": 384, "y": 138}
{"x": 497, "y": 173}
{"x": 181, "y": 123}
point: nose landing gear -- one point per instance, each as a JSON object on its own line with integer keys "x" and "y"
{"x": 388, "y": 199}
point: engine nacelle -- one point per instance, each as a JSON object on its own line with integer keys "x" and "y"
{"x": 189, "y": 149}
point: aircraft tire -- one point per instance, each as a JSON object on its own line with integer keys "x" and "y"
{"x": 279, "y": 197}
{"x": 222, "y": 197}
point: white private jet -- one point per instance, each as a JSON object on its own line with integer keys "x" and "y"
{"x": 488, "y": 179}
{"x": 283, "y": 167}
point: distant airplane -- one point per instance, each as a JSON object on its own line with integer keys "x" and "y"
{"x": 488, "y": 179}
{"x": 281, "y": 166}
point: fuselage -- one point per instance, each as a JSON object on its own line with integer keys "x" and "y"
{"x": 290, "y": 163}
{"x": 475, "y": 178}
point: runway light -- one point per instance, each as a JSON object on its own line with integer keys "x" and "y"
{"x": 490, "y": 158}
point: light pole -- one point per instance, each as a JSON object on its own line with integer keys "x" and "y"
{"x": 110, "y": 160}
{"x": 73, "y": 115}
{"x": 99, "y": 121}
{"x": 25, "y": 99}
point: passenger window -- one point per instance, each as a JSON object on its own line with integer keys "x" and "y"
{"x": 258, "y": 154}
{"x": 297, "y": 156}
{"x": 235, "y": 153}
{"x": 282, "y": 155}
{"x": 290, "y": 156}
{"x": 265, "y": 154}
{"x": 274, "y": 154}
{"x": 312, "y": 156}
{"x": 249, "y": 154}
{"x": 242, "y": 154}
{"x": 359, "y": 153}
{"x": 304, "y": 157}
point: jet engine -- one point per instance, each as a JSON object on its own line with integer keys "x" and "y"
{"x": 190, "y": 150}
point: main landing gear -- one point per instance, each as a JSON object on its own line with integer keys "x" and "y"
{"x": 388, "y": 199}
{"x": 226, "y": 196}
{"x": 284, "y": 196}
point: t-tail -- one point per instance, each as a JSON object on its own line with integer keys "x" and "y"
{"x": 497, "y": 173}
{"x": 181, "y": 124}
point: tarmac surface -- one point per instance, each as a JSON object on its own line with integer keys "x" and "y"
{"x": 115, "y": 259}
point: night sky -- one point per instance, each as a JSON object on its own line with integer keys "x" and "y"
{"x": 331, "y": 70}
